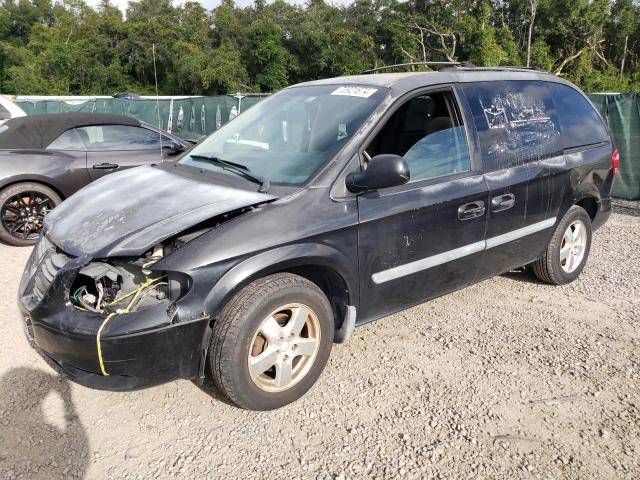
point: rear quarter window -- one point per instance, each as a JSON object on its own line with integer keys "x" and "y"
{"x": 580, "y": 123}
{"x": 516, "y": 120}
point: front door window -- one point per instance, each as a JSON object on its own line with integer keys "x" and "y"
{"x": 427, "y": 133}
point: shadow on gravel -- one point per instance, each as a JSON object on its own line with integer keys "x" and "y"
{"x": 41, "y": 435}
{"x": 523, "y": 275}
{"x": 210, "y": 388}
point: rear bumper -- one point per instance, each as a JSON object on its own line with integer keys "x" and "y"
{"x": 139, "y": 359}
{"x": 603, "y": 213}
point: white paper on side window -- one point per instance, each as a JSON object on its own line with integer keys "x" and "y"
{"x": 362, "y": 92}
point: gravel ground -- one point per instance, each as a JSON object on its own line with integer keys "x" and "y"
{"x": 506, "y": 379}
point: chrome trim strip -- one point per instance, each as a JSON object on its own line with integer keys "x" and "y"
{"x": 425, "y": 263}
{"x": 448, "y": 256}
{"x": 521, "y": 232}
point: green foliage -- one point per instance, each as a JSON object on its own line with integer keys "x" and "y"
{"x": 67, "y": 47}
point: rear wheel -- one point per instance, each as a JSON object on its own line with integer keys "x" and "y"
{"x": 271, "y": 342}
{"x": 568, "y": 249}
{"x": 23, "y": 207}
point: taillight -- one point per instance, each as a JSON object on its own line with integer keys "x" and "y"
{"x": 615, "y": 161}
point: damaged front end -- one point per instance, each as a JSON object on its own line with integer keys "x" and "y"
{"x": 103, "y": 296}
{"x": 112, "y": 323}
{"x": 123, "y": 287}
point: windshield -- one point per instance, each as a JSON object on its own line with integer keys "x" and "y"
{"x": 292, "y": 134}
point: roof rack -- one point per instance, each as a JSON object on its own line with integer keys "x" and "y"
{"x": 413, "y": 64}
{"x": 502, "y": 68}
{"x": 453, "y": 66}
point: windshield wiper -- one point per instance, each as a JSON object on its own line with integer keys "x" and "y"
{"x": 238, "y": 168}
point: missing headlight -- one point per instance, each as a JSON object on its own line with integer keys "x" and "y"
{"x": 121, "y": 286}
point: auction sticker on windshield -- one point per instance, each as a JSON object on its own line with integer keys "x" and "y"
{"x": 362, "y": 92}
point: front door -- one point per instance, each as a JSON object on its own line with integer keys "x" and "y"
{"x": 425, "y": 238}
{"x": 117, "y": 147}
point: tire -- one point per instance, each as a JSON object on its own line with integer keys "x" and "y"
{"x": 550, "y": 268}
{"x": 245, "y": 333}
{"x": 12, "y": 205}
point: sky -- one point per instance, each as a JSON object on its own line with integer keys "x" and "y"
{"x": 208, "y": 4}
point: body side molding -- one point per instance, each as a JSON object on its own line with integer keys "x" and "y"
{"x": 450, "y": 255}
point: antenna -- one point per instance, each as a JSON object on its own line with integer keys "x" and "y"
{"x": 155, "y": 76}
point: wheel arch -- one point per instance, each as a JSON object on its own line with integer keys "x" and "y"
{"x": 44, "y": 181}
{"x": 590, "y": 204}
{"x": 323, "y": 265}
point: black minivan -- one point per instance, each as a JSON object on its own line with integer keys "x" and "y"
{"x": 329, "y": 205}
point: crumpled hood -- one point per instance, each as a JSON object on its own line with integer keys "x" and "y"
{"x": 128, "y": 212}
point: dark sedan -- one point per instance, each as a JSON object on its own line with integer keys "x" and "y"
{"x": 46, "y": 158}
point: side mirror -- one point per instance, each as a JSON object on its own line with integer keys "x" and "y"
{"x": 383, "y": 171}
{"x": 174, "y": 148}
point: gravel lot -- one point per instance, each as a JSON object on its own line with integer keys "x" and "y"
{"x": 506, "y": 379}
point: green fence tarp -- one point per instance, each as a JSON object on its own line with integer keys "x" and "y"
{"x": 622, "y": 114}
{"x": 189, "y": 118}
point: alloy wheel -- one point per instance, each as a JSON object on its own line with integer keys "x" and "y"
{"x": 284, "y": 347}
{"x": 573, "y": 247}
{"x": 23, "y": 214}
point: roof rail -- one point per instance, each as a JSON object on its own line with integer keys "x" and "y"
{"x": 413, "y": 64}
{"x": 505, "y": 68}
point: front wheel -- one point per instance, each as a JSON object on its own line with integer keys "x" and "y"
{"x": 271, "y": 342}
{"x": 568, "y": 249}
{"x": 23, "y": 207}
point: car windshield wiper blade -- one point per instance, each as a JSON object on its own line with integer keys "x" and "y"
{"x": 238, "y": 168}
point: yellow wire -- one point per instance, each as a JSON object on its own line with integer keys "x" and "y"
{"x": 104, "y": 323}
{"x": 135, "y": 294}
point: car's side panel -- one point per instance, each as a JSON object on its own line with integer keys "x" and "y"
{"x": 66, "y": 172}
{"x": 303, "y": 229}
{"x": 546, "y": 188}
{"x": 525, "y": 169}
{"x": 511, "y": 182}
{"x": 102, "y": 163}
{"x": 311, "y": 254}
{"x": 589, "y": 175}
{"x": 412, "y": 245}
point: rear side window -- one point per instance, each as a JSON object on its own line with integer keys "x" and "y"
{"x": 517, "y": 122}
{"x": 579, "y": 122}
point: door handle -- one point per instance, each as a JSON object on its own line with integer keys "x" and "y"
{"x": 106, "y": 166}
{"x": 503, "y": 202}
{"x": 471, "y": 210}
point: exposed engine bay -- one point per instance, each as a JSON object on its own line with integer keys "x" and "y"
{"x": 123, "y": 285}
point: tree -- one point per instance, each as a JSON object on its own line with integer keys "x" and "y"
{"x": 534, "y": 8}
{"x": 67, "y": 47}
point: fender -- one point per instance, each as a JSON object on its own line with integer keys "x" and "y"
{"x": 278, "y": 259}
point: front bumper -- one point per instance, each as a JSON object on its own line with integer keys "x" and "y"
{"x": 136, "y": 360}
{"x": 138, "y": 349}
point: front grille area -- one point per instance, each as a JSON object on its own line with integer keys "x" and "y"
{"x": 42, "y": 268}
